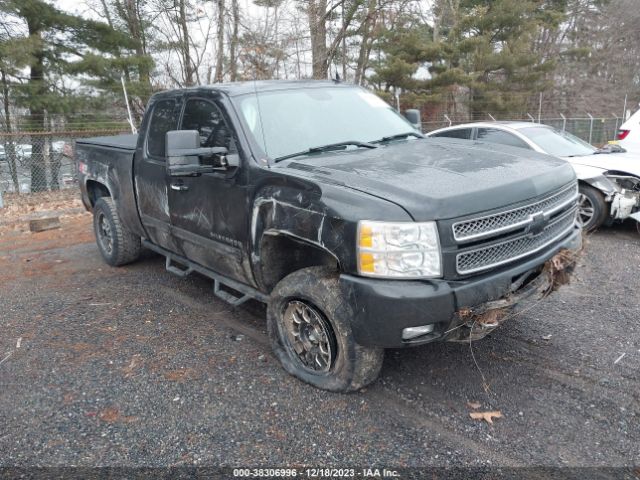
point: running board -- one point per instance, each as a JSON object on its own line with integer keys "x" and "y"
{"x": 246, "y": 292}
{"x": 228, "y": 297}
{"x": 175, "y": 270}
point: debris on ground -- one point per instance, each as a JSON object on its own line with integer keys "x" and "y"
{"x": 486, "y": 416}
{"x": 43, "y": 224}
{"x": 20, "y": 209}
{"x": 560, "y": 268}
{"x": 547, "y": 337}
{"x": 619, "y": 358}
{"x": 474, "y": 405}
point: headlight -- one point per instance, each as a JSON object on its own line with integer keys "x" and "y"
{"x": 399, "y": 250}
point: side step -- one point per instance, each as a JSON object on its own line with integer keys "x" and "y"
{"x": 177, "y": 271}
{"x": 246, "y": 292}
{"x": 228, "y": 297}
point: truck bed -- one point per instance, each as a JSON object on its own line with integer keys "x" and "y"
{"x": 108, "y": 161}
{"x": 121, "y": 142}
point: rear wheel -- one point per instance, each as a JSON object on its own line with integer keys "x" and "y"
{"x": 592, "y": 209}
{"x": 117, "y": 244}
{"x": 308, "y": 320}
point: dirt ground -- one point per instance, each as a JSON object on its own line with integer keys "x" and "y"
{"x": 132, "y": 366}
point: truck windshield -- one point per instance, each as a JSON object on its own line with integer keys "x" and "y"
{"x": 286, "y": 122}
{"x": 557, "y": 143}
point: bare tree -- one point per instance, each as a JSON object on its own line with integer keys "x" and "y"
{"x": 234, "y": 42}
{"x": 220, "y": 42}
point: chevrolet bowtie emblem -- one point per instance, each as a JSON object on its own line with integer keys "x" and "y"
{"x": 536, "y": 227}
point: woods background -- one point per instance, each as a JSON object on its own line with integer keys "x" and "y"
{"x": 61, "y": 63}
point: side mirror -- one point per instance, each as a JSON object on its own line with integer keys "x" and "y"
{"x": 184, "y": 152}
{"x": 413, "y": 115}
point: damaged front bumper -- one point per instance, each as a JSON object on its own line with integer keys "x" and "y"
{"x": 474, "y": 323}
{"x": 458, "y": 310}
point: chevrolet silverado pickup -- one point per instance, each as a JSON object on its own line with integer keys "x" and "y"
{"x": 323, "y": 202}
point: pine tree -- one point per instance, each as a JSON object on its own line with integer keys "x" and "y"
{"x": 486, "y": 47}
{"x": 57, "y": 45}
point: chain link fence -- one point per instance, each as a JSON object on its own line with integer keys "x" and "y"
{"x": 40, "y": 161}
{"x": 44, "y": 161}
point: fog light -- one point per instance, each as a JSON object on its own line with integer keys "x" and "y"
{"x": 413, "y": 332}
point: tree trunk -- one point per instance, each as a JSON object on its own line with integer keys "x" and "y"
{"x": 187, "y": 63}
{"x": 9, "y": 147}
{"x": 316, "y": 11}
{"x": 233, "y": 48}
{"x": 365, "y": 46}
{"x": 36, "y": 118}
{"x": 220, "y": 37}
{"x": 136, "y": 29}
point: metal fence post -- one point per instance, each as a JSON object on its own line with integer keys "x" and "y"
{"x": 564, "y": 122}
{"x": 446, "y": 117}
{"x": 540, "y": 108}
{"x": 531, "y": 117}
{"x": 615, "y": 131}
{"x": 590, "y": 127}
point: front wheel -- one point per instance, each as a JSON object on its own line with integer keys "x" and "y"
{"x": 592, "y": 208}
{"x": 308, "y": 320}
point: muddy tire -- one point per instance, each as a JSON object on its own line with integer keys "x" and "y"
{"x": 593, "y": 210}
{"x": 308, "y": 320}
{"x": 117, "y": 245}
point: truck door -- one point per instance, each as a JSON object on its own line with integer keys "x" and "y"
{"x": 209, "y": 215}
{"x": 150, "y": 172}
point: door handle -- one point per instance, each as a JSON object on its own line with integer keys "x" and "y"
{"x": 180, "y": 187}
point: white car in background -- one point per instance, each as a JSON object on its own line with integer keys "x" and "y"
{"x": 609, "y": 178}
{"x": 628, "y": 136}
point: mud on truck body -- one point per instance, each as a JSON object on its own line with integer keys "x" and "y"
{"x": 320, "y": 200}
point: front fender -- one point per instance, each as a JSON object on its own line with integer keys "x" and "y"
{"x": 595, "y": 177}
{"x": 324, "y": 216}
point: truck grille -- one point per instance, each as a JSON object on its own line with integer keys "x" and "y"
{"x": 492, "y": 225}
{"x": 485, "y": 257}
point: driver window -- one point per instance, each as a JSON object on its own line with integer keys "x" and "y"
{"x": 205, "y": 117}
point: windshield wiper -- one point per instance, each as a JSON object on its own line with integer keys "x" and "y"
{"x": 327, "y": 148}
{"x": 399, "y": 136}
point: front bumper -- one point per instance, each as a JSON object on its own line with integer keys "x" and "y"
{"x": 384, "y": 308}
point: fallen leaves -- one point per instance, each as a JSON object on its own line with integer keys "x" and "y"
{"x": 112, "y": 415}
{"x": 130, "y": 369}
{"x": 474, "y": 405}
{"x": 179, "y": 375}
{"x": 486, "y": 416}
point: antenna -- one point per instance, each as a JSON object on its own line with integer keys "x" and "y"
{"x": 126, "y": 100}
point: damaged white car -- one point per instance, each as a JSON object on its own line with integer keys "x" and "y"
{"x": 609, "y": 177}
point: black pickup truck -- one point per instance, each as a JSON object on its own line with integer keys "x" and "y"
{"x": 320, "y": 200}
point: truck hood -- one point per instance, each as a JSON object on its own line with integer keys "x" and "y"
{"x": 620, "y": 162}
{"x": 439, "y": 178}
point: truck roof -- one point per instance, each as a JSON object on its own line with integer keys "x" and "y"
{"x": 241, "y": 88}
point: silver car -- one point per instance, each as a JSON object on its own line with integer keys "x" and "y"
{"x": 609, "y": 177}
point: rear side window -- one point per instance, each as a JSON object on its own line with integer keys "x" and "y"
{"x": 493, "y": 135}
{"x": 163, "y": 119}
{"x": 463, "y": 133}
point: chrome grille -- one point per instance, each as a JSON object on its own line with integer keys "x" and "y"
{"x": 497, "y": 254}
{"x": 490, "y": 225}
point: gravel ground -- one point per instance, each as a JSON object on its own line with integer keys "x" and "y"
{"x": 132, "y": 366}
